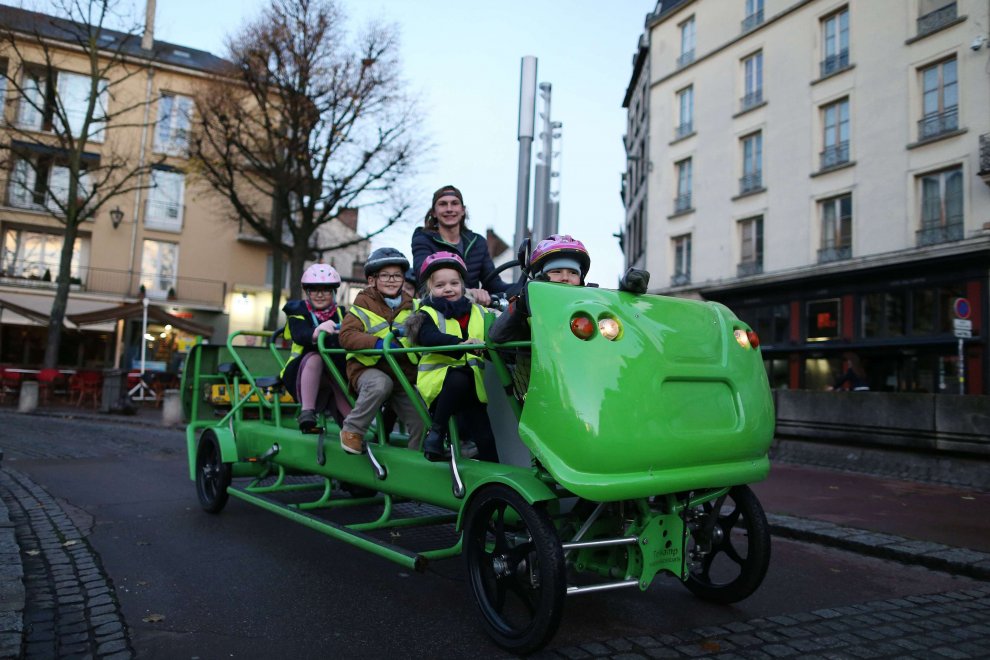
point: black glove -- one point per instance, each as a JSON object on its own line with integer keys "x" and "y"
{"x": 635, "y": 281}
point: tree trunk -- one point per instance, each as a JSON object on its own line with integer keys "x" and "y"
{"x": 278, "y": 264}
{"x": 61, "y": 301}
{"x": 300, "y": 253}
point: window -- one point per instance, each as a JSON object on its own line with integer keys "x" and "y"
{"x": 941, "y": 207}
{"x": 771, "y": 322}
{"x": 683, "y": 200}
{"x": 40, "y": 182}
{"x": 685, "y": 104}
{"x": 835, "y": 42}
{"x": 824, "y": 319}
{"x": 884, "y": 314}
{"x": 31, "y": 254}
{"x": 687, "y": 43}
{"x": 933, "y": 14}
{"x": 635, "y": 235}
{"x": 940, "y": 100}
{"x": 159, "y": 265}
{"x": 682, "y": 260}
{"x": 3, "y": 86}
{"x": 752, "y": 165}
{"x": 836, "y": 218}
{"x": 835, "y": 136}
{"x": 40, "y": 110}
{"x": 753, "y": 80}
{"x": 270, "y": 268}
{"x": 164, "y": 210}
{"x": 172, "y": 127}
{"x": 754, "y": 15}
{"x": 751, "y": 246}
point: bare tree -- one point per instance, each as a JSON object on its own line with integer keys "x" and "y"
{"x": 306, "y": 123}
{"x": 66, "y": 82}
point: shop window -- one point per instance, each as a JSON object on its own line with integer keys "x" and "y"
{"x": 923, "y": 311}
{"x": 884, "y": 314}
{"x": 824, "y": 319}
{"x": 771, "y": 322}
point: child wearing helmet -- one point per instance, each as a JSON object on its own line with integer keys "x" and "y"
{"x": 380, "y": 308}
{"x": 450, "y": 382}
{"x": 304, "y": 375}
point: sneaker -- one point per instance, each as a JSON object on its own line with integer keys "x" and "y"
{"x": 468, "y": 449}
{"x": 307, "y": 421}
{"x": 352, "y": 443}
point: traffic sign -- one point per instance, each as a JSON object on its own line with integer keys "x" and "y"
{"x": 962, "y": 308}
{"x": 963, "y": 328}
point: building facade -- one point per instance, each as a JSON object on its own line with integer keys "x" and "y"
{"x": 823, "y": 168}
{"x": 170, "y": 239}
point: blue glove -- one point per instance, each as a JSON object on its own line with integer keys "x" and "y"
{"x": 380, "y": 344}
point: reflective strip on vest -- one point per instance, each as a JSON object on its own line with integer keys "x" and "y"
{"x": 299, "y": 349}
{"x": 378, "y": 326}
{"x": 433, "y": 366}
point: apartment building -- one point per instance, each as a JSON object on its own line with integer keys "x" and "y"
{"x": 823, "y": 168}
{"x": 173, "y": 241}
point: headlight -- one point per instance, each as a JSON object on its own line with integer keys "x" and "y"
{"x": 609, "y": 328}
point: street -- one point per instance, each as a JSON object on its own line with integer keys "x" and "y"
{"x": 246, "y": 583}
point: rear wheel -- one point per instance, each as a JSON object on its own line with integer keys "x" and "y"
{"x": 515, "y": 566}
{"x": 212, "y": 474}
{"x": 739, "y": 545}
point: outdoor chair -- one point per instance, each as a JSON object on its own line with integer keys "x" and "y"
{"x": 10, "y": 384}
{"x": 89, "y": 384}
{"x": 50, "y": 383}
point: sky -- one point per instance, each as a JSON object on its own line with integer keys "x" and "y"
{"x": 462, "y": 60}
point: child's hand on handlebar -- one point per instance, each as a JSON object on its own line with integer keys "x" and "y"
{"x": 329, "y": 327}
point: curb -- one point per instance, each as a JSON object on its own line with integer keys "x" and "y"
{"x": 12, "y": 594}
{"x": 958, "y": 561}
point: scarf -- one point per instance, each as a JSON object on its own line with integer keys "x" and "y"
{"x": 322, "y": 315}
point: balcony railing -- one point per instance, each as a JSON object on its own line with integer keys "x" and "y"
{"x": 682, "y": 203}
{"x": 684, "y": 128}
{"x": 936, "y": 19}
{"x": 835, "y": 155}
{"x": 750, "y": 182}
{"x": 985, "y": 155}
{"x": 685, "y": 58}
{"x": 29, "y": 274}
{"x": 938, "y": 123}
{"x": 751, "y": 21}
{"x": 680, "y": 279}
{"x": 747, "y": 268}
{"x": 836, "y": 253}
{"x": 934, "y": 233}
{"x": 835, "y": 62}
{"x": 751, "y": 100}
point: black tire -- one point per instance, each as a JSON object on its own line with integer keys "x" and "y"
{"x": 212, "y": 474}
{"x": 740, "y": 549}
{"x": 515, "y": 567}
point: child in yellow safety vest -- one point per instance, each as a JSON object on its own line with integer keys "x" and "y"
{"x": 380, "y": 308}
{"x": 450, "y": 382}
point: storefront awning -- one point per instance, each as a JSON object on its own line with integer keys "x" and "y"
{"x": 136, "y": 311}
{"x": 35, "y": 309}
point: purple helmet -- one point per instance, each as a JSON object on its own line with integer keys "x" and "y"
{"x": 439, "y": 260}
{"x": 320, "y": 275}
{"x": 559, "y": 247}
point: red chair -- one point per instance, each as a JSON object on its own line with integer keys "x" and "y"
{"x": 89, "y": 384}
{"x": 10, "y": 383}
{"x": 49, "y": 383}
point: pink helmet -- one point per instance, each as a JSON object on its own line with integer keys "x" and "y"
{"x": 439, "y": 260}
{"x": 559, "y": 247}
{"x": 320, "y": 275}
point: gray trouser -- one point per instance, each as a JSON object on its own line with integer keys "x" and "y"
{"x": 374, "y": 388}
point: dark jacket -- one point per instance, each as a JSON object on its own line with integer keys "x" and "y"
{"x": 473, "y": 249}
{"x": 354, "y": 338}
{"x": 301, "y": 323}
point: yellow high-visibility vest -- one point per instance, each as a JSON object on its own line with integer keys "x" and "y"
{"x": 297, "y": 349}
{"x": 379, "y": 327}
{"x": 433, "y": 366}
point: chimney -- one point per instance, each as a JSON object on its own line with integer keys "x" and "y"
{"x": 148, "y": 38}
{"x": 349, "y": 217}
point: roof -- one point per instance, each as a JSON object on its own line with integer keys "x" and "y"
{"x": 59, "y": 29}
{"x": 665, "y": 8}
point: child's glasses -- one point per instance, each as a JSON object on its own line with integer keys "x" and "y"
{"x": 325, "y": 290}
{"x": 390, "y": 277}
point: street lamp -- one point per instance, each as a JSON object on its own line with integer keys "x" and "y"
{"x": 116, "y": 217}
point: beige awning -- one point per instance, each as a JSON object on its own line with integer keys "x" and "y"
{"x": 136, "y": 310}
{"x": 35, "y": 309}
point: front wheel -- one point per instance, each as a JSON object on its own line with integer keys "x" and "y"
{"x": 738, "y": 548}
{"x": 515, "y": 566}
{"x": 212, "y": 474}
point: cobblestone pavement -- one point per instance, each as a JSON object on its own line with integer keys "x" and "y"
{"x": 947, "y": 625}
{"x": 70, "y": 609}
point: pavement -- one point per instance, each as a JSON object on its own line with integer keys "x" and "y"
{"x": 936, "y": 518}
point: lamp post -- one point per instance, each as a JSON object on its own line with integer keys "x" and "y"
{"x": 116, "y": 217}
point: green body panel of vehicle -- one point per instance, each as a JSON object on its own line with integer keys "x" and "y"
{"x": 673, "y": 403}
